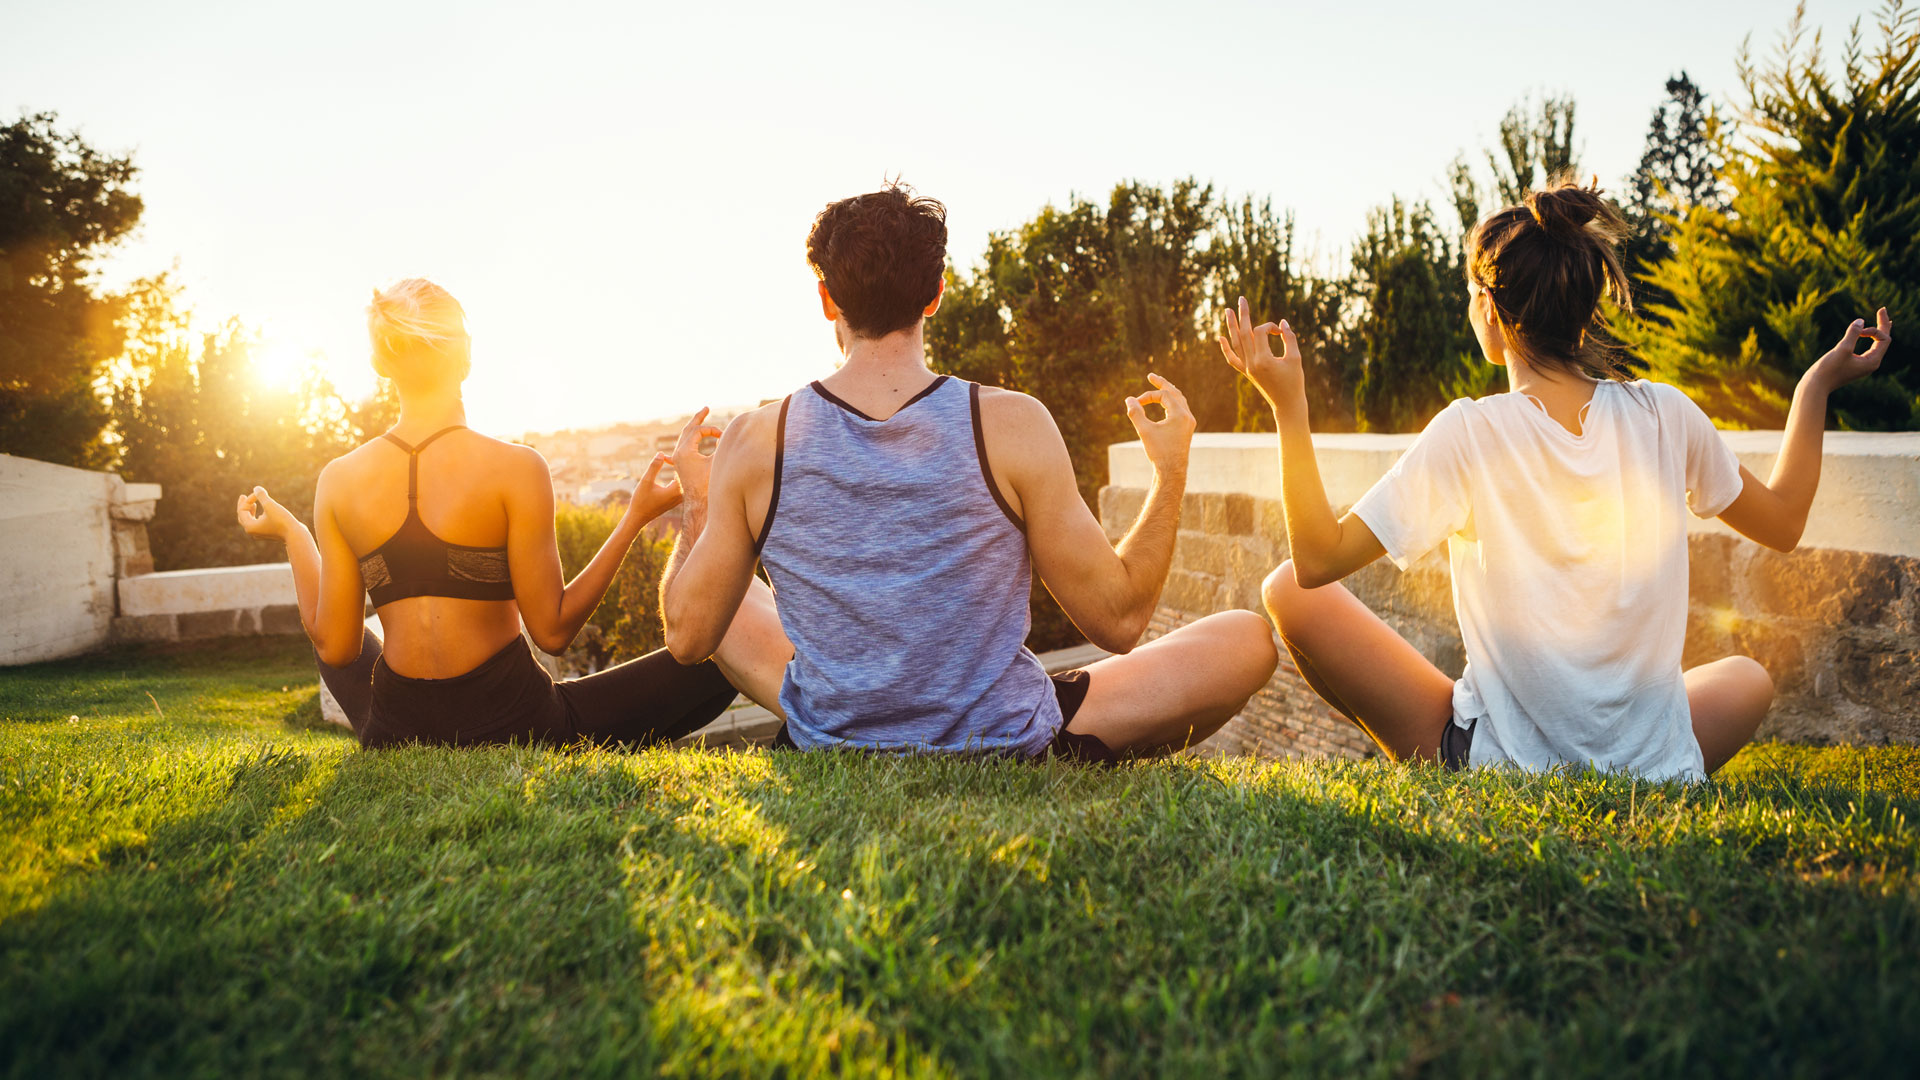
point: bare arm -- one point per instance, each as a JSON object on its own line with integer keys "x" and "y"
{"x": 1324, "y": 548}
{"x": 1775, "y": 513}
{"x": 326, "y": 576}
{"x": 1108, "y": 591}
{"x": 713, "y": 558}
{"x": 555, "y": 613}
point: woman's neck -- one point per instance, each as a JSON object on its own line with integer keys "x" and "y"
{"x": 1562, "y": 393}
{"x": 424, "y": 412}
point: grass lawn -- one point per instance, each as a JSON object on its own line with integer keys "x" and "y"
{"x": 195, "y": 876}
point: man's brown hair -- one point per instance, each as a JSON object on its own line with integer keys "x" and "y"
{"x": 882, "y": 255}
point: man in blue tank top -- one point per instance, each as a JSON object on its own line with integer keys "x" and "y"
{"x": 900, "y": 515}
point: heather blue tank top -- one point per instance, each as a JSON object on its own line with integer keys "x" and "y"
{"x": 902, "y": 578}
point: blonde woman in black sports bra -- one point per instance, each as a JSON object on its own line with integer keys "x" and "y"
{"x": 451, "y": 535}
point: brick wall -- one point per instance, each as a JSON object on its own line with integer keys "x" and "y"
{"x": 1838, "y": 630}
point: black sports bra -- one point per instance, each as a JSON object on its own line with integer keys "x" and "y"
{"x": 414, "y": 562}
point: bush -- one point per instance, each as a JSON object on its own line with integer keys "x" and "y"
{"x": 627, "y": 622}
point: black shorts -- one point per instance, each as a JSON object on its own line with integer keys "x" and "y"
{"x": 1455, "y": 743}
{"x": 1070, "y": 690}
{"x": 510, "y": 698}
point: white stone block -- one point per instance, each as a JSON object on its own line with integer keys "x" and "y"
{"x": 1869, "y": 496}
{"x": 56, "y": 560}
{"x": 222, "y": 588}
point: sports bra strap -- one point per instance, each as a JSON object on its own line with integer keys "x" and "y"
{"x": 413, "y": 457}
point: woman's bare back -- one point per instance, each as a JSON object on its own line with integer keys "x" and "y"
{"x": 464, "y": 480}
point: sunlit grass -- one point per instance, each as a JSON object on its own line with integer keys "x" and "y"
{"x": 223, "y": 888}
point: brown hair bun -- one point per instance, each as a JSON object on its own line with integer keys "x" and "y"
{"x": 1549, "y": 263}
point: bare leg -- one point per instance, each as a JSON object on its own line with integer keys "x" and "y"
{"x": 1361, "y": 666}
{"x": 1729, "y": 698}
{"x": 1176, "y": 690}
{"x": 755, "y": 652}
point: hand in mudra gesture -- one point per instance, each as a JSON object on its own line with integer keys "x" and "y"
{"x": 1167, "y": 439}
{"x": 651, "y": 497}
{"x": 1282, "y": 378}
{"x": 1842, "y": 365}
{"x": 693, "y": 467}
{"x": 263, "y": 518}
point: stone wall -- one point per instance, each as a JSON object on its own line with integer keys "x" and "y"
{"x": 66, "y": 536}
{"x": 1836, "y": 622}
{"x": 221, "y": 601}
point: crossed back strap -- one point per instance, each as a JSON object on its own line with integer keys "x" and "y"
{"x": 413, "y": 457}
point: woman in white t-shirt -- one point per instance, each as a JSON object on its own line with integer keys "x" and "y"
{"x": 1563, "y": 506}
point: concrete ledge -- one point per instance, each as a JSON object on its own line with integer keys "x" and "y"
{"x": 1869, "y": 497}
{"x": 218, "y": 589}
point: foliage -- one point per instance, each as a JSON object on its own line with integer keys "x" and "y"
{"x": 1679, "y": 170}
{"x": 1412, "y": 337}
{"x": 1535, "y": 147}
{"x": 203, "y": 425}
{"x": 224, "y": 891}
{"x": 1254, "y": 252}
{"x": 1819, "y": 230}
{"x": 627, "y": 622}
{"x": 62, "y": 205}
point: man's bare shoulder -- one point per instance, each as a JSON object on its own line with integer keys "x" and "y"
{"x": 1015, "y": 421}
{"x": 753, "y": 434}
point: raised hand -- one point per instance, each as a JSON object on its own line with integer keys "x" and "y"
{"x": 1281, "y": 379}
{"x": 694, "y": 467}
{"x": 651, "y": 498}
{"x": 1841, "y": 365}
{"x": 263, "y": 518}
{"x": 1167, "y": 439}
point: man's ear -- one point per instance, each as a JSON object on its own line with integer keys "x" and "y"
{"x": 827, "y": 306}
{"x": 938, "y": 294}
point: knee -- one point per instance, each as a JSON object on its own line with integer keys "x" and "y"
{"x": 1282, "y": 594}
{"x": 1246, "y": 639}
{"x": 1753, "y": 679}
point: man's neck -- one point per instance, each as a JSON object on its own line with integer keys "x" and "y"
{"x": 881, "y": 361}
{"x": 881, "y": 374}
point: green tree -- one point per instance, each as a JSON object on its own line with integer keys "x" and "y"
{"x": 1074, "y": 306}
{"x": 1535, "y": 147}
{"x": 1253, "y": 252}
{"x": 202, "y": 424}
{"x": 1819, "y": 229}
{"x": 62, "y": 205}
{"x": 1679, "y": 170}
{"x": 1411, "y": 335}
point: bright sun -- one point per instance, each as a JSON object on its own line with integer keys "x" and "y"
{"x": 281, "y": 365}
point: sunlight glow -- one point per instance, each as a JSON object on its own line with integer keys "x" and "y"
{"x": 281, "y": 366}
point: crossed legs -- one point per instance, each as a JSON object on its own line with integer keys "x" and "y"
{"x": 1367, "y": 671}
{"x": 755, "y": 652}
{"x": 1178, "y": 689}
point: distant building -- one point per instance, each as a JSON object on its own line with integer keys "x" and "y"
{"x": 593, "y": 493}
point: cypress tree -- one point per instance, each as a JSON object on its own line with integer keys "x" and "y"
{"x": 1824, "y": 173}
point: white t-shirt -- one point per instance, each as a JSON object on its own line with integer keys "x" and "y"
{"x": 1569, "y": 557}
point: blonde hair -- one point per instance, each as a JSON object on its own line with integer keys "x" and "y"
{"x": 412, "y": 316}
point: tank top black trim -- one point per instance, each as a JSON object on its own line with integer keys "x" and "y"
{"x": 779, "y": 465}
{"x": 986, "y": 471}
{"x": 415, "y": 562}
{"x": 828, "y": 394}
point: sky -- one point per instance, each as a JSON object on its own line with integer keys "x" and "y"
{"x": 620, "y": 193}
